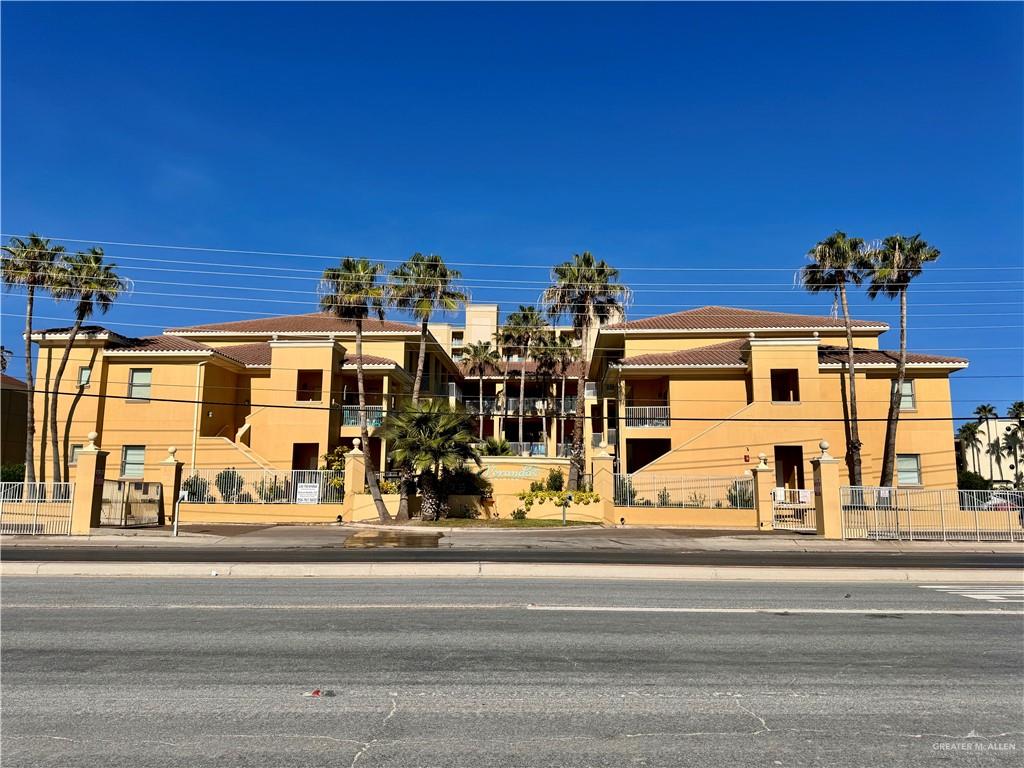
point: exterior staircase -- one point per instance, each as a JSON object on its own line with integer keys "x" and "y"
{"x": 221, "y": 452}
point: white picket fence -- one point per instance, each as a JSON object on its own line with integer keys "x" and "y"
{"x": 36, "y": 508}
{"x": 264, "y": 486}
{"x": 925, "y": 514}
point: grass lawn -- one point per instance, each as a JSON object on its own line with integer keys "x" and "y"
{"x": 501, "y": 523}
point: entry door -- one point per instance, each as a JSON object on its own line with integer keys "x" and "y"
{"x": 789, "y": 466}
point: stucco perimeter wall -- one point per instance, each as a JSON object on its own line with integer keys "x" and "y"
{"x": 688, "y": 517}
{"x": 261, "y": 513}
{"x": 363, "y": 510}
{"x": 512, "y": 474}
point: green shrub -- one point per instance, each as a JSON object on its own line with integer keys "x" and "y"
{"x": 556, "y": 480}
{"x": 229, "y": 483}
{"x": 197, "y": 488}
{"x": 537, "y": 485}
{"x": 518, "y": 514}
{"x": 972, "y": 481}
{"x": 664, "y": 498}
{"x": 12, "y": 473}
{"x": 465, "y": 481}
{"x": 271, "y": 490}
{"x": 529, "y": 498}
{"x": 496, "y": 446}
{"x": 463, "y": 512}
{"x": 740, "y": 495}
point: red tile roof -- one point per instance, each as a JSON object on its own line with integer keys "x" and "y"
{"x": 725, "y": 355}
{"x": 9, "y": 382}
{"x": 734, "y": 354}
{"x": 830, "y": 355}
{"x": 159, "y": 344}
{"x": 257, "y": 354}
{"x": 732, "y": 318}
{"x": 368, "y": 360}
{"x": 312, "y": 322}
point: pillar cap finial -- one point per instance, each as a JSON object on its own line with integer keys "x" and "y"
{"x": 824, "y": 450}
{"x": 356, "y": 442}
{"x": 762, "y": 459}
{"x": 92, "y": 441}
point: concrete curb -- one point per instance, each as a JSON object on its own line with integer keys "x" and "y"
{"x": 492, "y": 570}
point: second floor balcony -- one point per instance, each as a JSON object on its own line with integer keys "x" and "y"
{"x": 350, "y": 415}
{"x": 648, "y": 416}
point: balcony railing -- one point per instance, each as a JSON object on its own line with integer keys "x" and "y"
{"x": 529, "y": 449}
{"x": 647, "y": 416}
{"x": 473, "y": 405}
{"x": 597, "y": 437}
{"x": 350, "y": 415}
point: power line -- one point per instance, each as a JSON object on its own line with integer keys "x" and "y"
{"x": 307, "y": 408}
{"x": 288, "y": 254}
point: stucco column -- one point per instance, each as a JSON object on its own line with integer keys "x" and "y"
{"x": 827, "y": 506}
{"x": 88, "y": 497}
{"x": 604, "y": 484}
{"x": 764, "y": 483}
{"x": 355, "y": 470}
{"x": 170, "y": 479}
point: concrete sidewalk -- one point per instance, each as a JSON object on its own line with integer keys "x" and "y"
{"x": 594, "y": 539}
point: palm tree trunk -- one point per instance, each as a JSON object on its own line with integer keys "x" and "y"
{"x": 30, "y": 385}
{"x": 403, "y": 486}
{"x": 576, "y": 463}
{"x": 44, "y": 428}
{"x": 504, "y": 397}
{"x": 560, "y": 426}
{"x": 522, "y": 397}
{"x": 371, "y": 470}
{"x": 480, "y": 415}
{"x": 853, "y": 458}
{"x": 893, "y": 418}
{"x": 544, "y": 415}
{"x": 55, "y": 400}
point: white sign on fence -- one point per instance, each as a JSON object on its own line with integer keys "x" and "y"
{"x": 307, "y": 493}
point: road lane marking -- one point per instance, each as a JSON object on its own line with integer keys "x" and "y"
{"x": 773, "y": 610}
{"x": 992, "y": 593}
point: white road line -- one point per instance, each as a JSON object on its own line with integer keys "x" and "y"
{"x": 802, "y": 611}
{"x": 993, "y": 593}
{"x": 774, "y": 610}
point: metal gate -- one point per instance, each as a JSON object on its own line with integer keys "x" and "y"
{"x": 131, "y": 503}
{"x": 793, "y": 510}
{"x": 36, "y": 508}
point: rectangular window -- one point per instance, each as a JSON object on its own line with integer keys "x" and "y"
{"x": 84, "y": 374}
{"x": 139, "y": 381}
{"x": 908, "y": 469}
{"x": 309, "y": 386}
{"x": 907, "y": 401}
{"x": 785, "y": 385}
{"x": 75, "y": 450}
{"x": 133, "y": 459}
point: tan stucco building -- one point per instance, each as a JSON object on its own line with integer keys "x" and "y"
{"x": 699, "y": 392}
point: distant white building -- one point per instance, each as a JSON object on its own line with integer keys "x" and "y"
{"x": 1000, "y": 467}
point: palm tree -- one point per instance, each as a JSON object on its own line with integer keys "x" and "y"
{"x": 92, "y": 284}
{"x": 350, "y": 291}
{"x": 520, "y": 329}
{"x": 496, "y": 446}
{"x": 432, "y": 438}
{"x": 898, "y": 261}
{"x": 422, "y": 286}
{"x": 985, "y": 413}
{"x": 1016, "y": 412}
{"x": 969, "y": 435}
{"x": 837, "y": 261}
{"x": 502, "y": 348}
{"x": 28, "y": 263}
{"x": 5, "y": 358}
{"x": 542, "y": 350}
{"x": 588, "y": 292}
{"x": 1012, "y": 446}
{"x": 566, "y": 353}
{"x": 480, "y": 357}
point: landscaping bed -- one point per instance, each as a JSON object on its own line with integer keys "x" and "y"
{"x": 500, "y": 523}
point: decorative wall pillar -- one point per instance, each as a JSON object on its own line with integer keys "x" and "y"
{"x": 88, "y": 496}
{"x": 764, "y": 484}
{"x": 827, "y": 506}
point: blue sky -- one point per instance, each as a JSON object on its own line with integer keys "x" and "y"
{"x": 659, "y": 137}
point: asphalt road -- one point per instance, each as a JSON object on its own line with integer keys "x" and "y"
{"x": 179, "y": 672}
{"x": 209, "y": 554}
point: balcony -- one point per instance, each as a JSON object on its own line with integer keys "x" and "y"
{"x": 598, "y": 437}
{"x": 350, "y": 415}
{"x": 473, "y": 405}
{"x": 648, "y": 416}
{"x": 529, "y": 449}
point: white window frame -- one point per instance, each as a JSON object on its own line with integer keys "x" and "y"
{"x": 912, "y": 395}
{"x": 87, "y": 370}
{"x": 125, "y": 464}
{"x": 73, "y": 456}
{"x": 899, "y": 472}
{"x": 133, "y": 394}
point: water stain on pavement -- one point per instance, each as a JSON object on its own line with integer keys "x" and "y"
{"x": 393, "y": 539}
